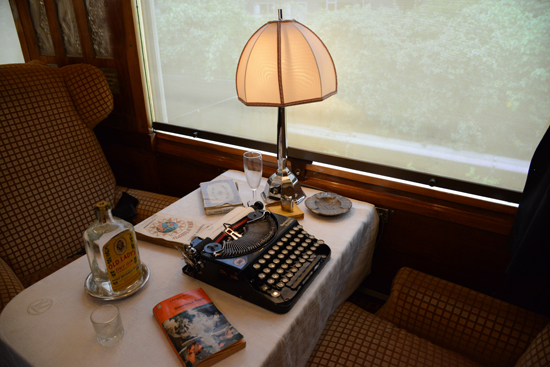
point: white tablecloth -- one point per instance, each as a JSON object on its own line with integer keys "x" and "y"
{"x": 63, "y": 334}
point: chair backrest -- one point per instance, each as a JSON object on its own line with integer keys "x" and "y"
{"x": 53, "y": 169}
{"x": 538, "y": 352}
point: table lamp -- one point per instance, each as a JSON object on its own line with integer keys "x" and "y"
{"x": 284, "y": 64}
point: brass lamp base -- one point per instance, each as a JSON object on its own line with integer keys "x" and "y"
{"x": 283, "y": 182}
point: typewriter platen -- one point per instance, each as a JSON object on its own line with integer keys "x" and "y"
{"x": 264, "y": 258}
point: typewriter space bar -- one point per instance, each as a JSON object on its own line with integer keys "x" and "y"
{"x": 305, "y": 272}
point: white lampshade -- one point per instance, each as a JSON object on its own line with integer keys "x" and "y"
{"x": 283, "y": 64}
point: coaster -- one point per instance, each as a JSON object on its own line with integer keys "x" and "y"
{"x": 295, "y": 213}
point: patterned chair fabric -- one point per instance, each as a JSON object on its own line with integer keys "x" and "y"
{"x": 431, "y": 322}
{"x": 53, "y": 168}
{"x": 9, "y": 284}
{"x": 355, "y": 337}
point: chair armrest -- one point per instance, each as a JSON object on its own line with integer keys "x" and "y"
{"x": 487, "y": 330}
{"x": 10, "y": 285}
{"x": 149, "y": 202}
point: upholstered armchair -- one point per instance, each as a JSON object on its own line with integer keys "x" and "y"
{"x": 53, "y": 168}
{"x": 431, "y": 322}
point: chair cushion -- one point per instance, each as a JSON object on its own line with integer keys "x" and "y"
{"x": 53, "y": 168}
{"x": 355, "y": 337}
{"x": 538, "y": 352}
{"x": 9, "y": 284}
{"x": 485, "y": 329}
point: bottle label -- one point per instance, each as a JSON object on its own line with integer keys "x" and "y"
{"x": 122, "y": 261}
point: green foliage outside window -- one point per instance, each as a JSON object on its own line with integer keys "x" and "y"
{"x": 470, "y": 75}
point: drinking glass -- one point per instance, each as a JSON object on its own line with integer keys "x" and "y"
{"x": 253, "y": 171}
{"x": 108, "y": 325}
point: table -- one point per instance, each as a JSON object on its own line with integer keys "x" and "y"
{"x": 48, "y": 324}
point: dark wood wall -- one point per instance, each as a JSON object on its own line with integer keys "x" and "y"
{"x": 457, "y": 238}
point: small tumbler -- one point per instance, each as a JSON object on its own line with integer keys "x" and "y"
{"x": 108, "y": 325}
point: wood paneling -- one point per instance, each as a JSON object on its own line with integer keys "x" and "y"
{"x": 130, "y": 111}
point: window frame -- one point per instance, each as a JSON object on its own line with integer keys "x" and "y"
{"x": 484, "y": 191}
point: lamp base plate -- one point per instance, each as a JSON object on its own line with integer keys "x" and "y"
{"x": 282, "y": 179}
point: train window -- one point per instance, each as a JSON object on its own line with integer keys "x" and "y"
{"x": 453, "y": 90}
{"x": 9, "y": 42}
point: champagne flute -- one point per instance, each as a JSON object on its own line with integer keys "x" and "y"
{"x": 253, "y": 171}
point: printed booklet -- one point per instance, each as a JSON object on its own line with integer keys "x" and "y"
{"x": 198, "y": 332}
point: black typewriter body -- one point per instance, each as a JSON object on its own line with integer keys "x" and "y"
{"x": 271, "y": 265}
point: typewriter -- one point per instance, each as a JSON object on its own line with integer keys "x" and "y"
{"x": 262, "y": 257}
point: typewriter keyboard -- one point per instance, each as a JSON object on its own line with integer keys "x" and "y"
{"x": 286, "y": 268}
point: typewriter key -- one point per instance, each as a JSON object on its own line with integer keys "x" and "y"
{"x": 256, "y": 266}
{"x": 261, "y": 276}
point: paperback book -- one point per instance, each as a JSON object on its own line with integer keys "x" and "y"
{"x": 220, "y": 196}
{"x": 168, "y": 230}
{"x": 196, "y": 329}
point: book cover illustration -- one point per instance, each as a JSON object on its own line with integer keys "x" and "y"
{"x": 198, "y": 332}
{"x": 167, "y": 229}
{"x": 220, "y": 196}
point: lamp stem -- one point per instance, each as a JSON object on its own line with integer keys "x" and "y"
{"x": 280, "y": 14}
{"x": 283, "y": 182}
{"x": 282, "y": 146}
